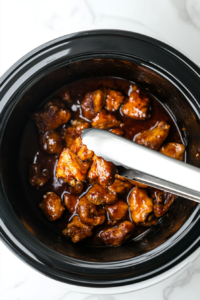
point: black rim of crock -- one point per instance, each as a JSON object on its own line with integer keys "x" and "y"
{"x": 162, "y": 59}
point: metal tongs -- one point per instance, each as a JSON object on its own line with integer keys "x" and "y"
{"x": 145, "y": 165}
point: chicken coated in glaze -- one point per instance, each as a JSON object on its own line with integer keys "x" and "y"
{"x": 118, "y": 210}
{"x": 77, "y": 231}
{"x": 74, "y": 131}
{"x": 70, "y": 201}
{"x": 120, "y": 186}
{"x": 81, "y": 150}
{"x": 92, "y": 103}
{"x": 51, "y": 206}
{"x": 98, "y": 195}
{"x": 52, "y": 117}
{"x": 51, "y": 142}
{"x": 154, "y": 137}
{"x": 102, "y": 171}
{"x": 132, "y": 182}
{"x": 105, "y": 120}
{"x": 141, "y": 205}
{"x": 174, "y": 150}
{"x": 77, "y": 188}
{"x": 37, "y": 177}
{"x": 117, "y": 235}
{"x": 70, "y": 168}
{"x": 162, "y": 201}
{"x": 89, "y": 213}
{"x": 114, "y": 100}
{"x": 98, "y": 205}
{"x": 119, "y": 131}
{"x": 137, "y": 106}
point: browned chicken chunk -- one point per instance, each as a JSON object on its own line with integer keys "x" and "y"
{"x": 71, "y": 133}
{"x": 77, "y": 188}
{"x": 92, "y": 103}
{"x": 120, "y": 187}
{"x": 89, "y": 213}
{"x": 133, "y": 182}
{"x": 162, "y": 201}
{"x": 117, "y": 235}
{"x": 118, "y": 210}
{"x": 114, "y": 100}
{"x": 77, "y": 231}
{"x": 71, "y": 201}
{"x": 80, "y": 124}
{"x": 81, "y": 150}
{"x": 51, "y": 206}
{"x": 105, "y": 120}
{"x": 140, "y": 205}
{"x": 119, "y": 131}
{"x": 51, "y": 142}
{"x": 99, "y": 195}
{"x": 38, "y": 177}
{"x": 53, "y": 116}
{"x": 174, "y": 150}
{"x": 137, "y": 106}
{"x": 70, "y": 168}
{"x": 102, "y": 171}
{"x": 154, "y": 137}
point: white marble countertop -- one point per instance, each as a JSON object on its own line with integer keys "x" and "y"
{"x": 25, "y": 25}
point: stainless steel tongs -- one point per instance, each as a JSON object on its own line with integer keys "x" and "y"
{"x": 145, "y": 165}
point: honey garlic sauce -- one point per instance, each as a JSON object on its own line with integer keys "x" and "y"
{"x": 31, "y": 151}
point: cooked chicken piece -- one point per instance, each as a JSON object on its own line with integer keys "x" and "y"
{"x": 53, "y": 116}
{"x": 81, "y": 150}
{"x": 77, "y": 231}
{"x": 99, "y": 195}
{"x": 77, "y": 189}
{"x": 105, "y": 120}
{"x": 136, "y": 107}
{"x": 162, "y": 201}
{"x": 71, "y": 201}
{"x": 55, "y": 102}
{"x": 117, "y": 235}
{"x": 102, "y": 171}
{"x": 92, "y": 103}
{"x": 51, "y": 142}
{"x": 120, "y": 187}
{"x": 38, "y": 177}
{"x": 140, "y": 205}
{"x": 64, "y": 94}
{"x": 51, "y": 206}
{"x": 154, "y": 137}
{"x": 70, "y": 168}
{"x": 114, "y": 100}
{"x": 118, "y": 131}
{"x": 71, "y": 133}
{"x": 174, "y": 150}
{"x": 133, "y": 182}
{"x": 89, "y": 213}
{"x": 80, "y": 124}
{"x": 118, "y": 210}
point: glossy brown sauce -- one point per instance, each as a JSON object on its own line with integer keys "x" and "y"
{"x": 31, "y": 151}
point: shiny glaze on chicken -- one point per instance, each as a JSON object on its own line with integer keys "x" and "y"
{"x": 79, "y": 193}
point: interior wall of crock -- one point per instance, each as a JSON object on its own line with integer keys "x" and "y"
{"x": 41, "y": 90}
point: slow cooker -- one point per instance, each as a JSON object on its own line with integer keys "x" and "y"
{"x": 155, "y": 66}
